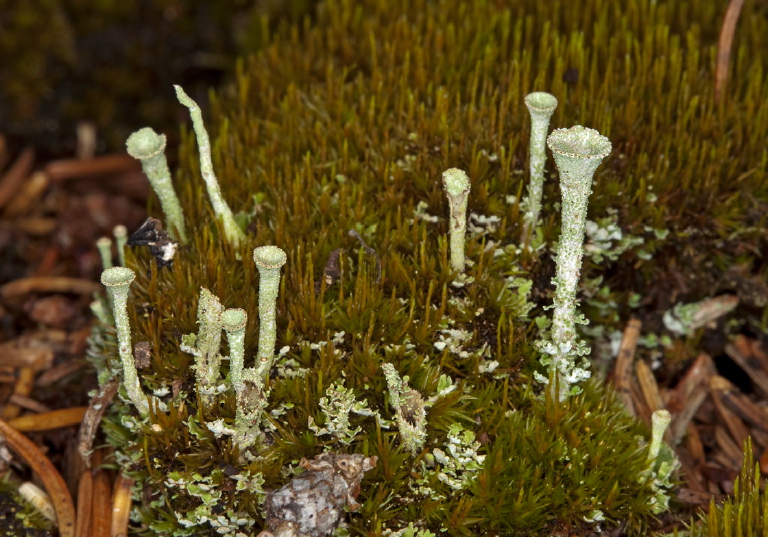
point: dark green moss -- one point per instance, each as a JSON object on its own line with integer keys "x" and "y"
{"x": 349, "y": 127}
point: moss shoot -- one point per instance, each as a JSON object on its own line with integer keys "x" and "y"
{"x": 345, "y": 124}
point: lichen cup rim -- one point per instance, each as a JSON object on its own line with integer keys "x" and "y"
{"x": 269, "y": 257}
{"x": 116, "y": 276}
{"x": 541, "y": 101}
{"x": 233, "y": 319}
{"x": 456, "y": 181}
{"x": 579, "y": 142}
{"x": 145, "y": 143}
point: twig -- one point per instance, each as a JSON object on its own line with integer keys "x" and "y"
{"x": 49, "y": 420}
{"x": 92, "y": 418}
{"x": 62, "y": 170}
{"x": 84, "y": 503}
{"x": 14, "y": 177}
{"x": 48, "y": 284}
{"x": 624, "y": 360}
{"x": 24, "y": 385}
{"x": 121, "y": 505}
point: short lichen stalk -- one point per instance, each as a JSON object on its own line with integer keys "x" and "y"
{"x": 121, "y": 238}
{"x": 662, "y": 463}
{"x": 148, "y": 147}
{"x": 222, "y": 211}
{"x": 104, "y": 245}
{"x": 456, "y": 185}
{"x": 249, "y": 389}
{"x": 541, "y": 106}
{"x": 206, "y": 346}
{"x": 410, "y": 411}
{"x": 578, "y": 152}
{"x": 118, "y": 281}
{"x": 269, "y": 260}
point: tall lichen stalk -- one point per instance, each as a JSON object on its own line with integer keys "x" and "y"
{"x": 348, "y": 124}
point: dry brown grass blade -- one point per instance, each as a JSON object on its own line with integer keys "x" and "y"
{"x": 28, "y": 195}
{"x": 50, "y": 420}
{"x": 14, "y": 177}
{"x": 724, "y": 47}
{"x": 740, "y": 351}
{"x": 739, "y": 432}
{"x": 62, "y": 170}
{"x": 689, "y": 394}
{"x": 48, "y": 284}
{"x": 84, "y": 502}
{"x": 46, "y": 471}
{"x": 101, "y": 514}
{"x": 24, "y": 384}
{"x": 121, "y": 505}
{"x": 624, "y": 360}
{"x": 649, "y": 386}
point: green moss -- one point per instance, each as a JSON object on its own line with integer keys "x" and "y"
{"x": 745, "y": 514}
{"x": 348, "y": 124}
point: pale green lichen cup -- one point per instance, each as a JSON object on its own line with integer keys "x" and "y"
{"x": 578, "y": 152}
{"x": 269, "y": 260}
{"x": 118, "y": 281}
{"x": 541, "y": 106}
{"x": 148, "y": 147}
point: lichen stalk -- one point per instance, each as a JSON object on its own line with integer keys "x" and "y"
{"x": 578, "y": 152}
{"x": 269, "y": 260}
{"x": 207, "y": 349}
{"x": 660, "y": 420}
{"x": 121, "y": 238}
{"x": 247, "y": 414}
{"x": 104, "y": 245}
{"x": 541, "y": 106}
{"x": 222, "y": 211}
{"x": 118, "y": 281}
{"x": 148, "y": 147}
{"x": 410, "y": 411}
{"x": 234, "y": 321}
{"x": 456, "y": 185}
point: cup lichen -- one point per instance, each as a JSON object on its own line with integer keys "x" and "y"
{"x": 222, "y": 211}
{"x": 148, "y": 147}
{"x": 541, "y": 105}
{"x": 269, "y": 260}
{"x": 118, "y": 281}
{"x": 578, "y": 152}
